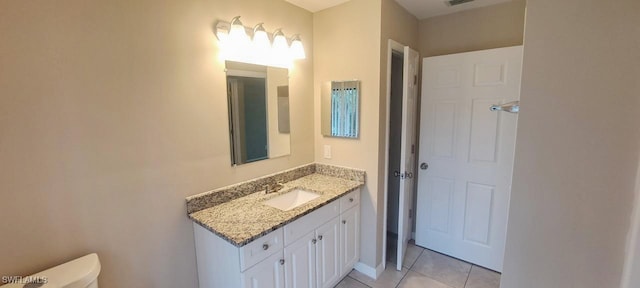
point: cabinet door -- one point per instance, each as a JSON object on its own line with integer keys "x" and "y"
{"x": 266, "y": 274}
{"x": 349, "y": 239}
{"x": 328, "y": 253}
{"x": 300, "y": 262}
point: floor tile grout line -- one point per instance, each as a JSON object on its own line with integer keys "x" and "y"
{"x": 365, "y": 284}
{"x": 403, "y": 276}
{"x": 418, "y": 272}
{"x": 415, "y": 261}
{"x": 468, "y": 275}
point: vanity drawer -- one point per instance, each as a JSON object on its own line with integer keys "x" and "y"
{"x": 350, "y": 200}
{"x": 296, "y": 229}
{"x": 260, "y": 249}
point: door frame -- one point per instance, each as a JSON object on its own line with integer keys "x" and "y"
{"x": 632, "y": 259}
{"x": 398, "y": 48}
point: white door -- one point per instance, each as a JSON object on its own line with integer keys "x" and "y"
{"x": 350, "y": 238}
{"x": 300, "y": 262}
{"x": 463, "y": 194}
{"x": 407, "y": 150}
{"x": 267, "y": 274}
{"x": 328, "y": 253}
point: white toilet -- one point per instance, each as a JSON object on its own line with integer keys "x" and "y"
{"x": 79, "y": 273}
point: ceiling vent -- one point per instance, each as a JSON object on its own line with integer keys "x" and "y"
{"x": 457, "y": 2}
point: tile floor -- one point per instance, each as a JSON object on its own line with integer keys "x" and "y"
{"x": 423, "y": 268}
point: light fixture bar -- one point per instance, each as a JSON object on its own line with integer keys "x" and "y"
{"x": 256, "y": 45}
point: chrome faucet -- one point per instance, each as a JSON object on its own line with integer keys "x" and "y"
{"x": 273, "y": 188}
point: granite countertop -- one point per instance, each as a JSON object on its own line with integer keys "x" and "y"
{"x": 245, "y": 219}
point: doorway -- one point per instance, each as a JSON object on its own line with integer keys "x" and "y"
{"x": 393, "y": 154}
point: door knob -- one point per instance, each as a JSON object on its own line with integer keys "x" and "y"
{"x": 424, "y": 166}
{"x": 396, "y": 173}
{"x": 409, "y": 175}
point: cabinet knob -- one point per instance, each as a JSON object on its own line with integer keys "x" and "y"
{"x": 320, "y": 237}
{"x": 281, "y": 261}
{"x": 344, "y": 221}
{"x": 265, "y": 246}
{"x": 314, "y": 241}
{"x": 350, "y": 199}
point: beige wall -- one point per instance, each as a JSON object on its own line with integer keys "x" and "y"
{"x": 401, "y": 26}
{"x": 351, "y": 43}
{"x": 489, "y": 27}
{"x": 111, "y": 113}
{"x": 347, "y": 47}
{"x": 577, "y": 152}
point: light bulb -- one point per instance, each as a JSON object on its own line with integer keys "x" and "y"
{"x": 237, "y": 32}
{"x": 297, "y": 50}
{"x": 280, "y": 50}
{"x": 280, "y": 45}
{"x": 261, "y": 42}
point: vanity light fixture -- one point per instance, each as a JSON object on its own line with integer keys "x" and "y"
{"x": 237, "y": 45}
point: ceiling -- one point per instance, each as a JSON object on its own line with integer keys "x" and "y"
{"x": 420, "y": 8}
{"x": 423, "y": 9}
{"x": 316, "y": 5}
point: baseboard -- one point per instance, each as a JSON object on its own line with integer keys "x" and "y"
{"x": 368, "y": 270}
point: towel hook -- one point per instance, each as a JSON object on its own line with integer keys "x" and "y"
{"x": 511, "y": 107}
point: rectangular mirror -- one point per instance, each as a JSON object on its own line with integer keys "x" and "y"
{"x": 341, "y": 109}
{"x": 258, "y": 100}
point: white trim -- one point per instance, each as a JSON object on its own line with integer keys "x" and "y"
{"x": 245, "y": 73}
{"x": 632, "y": 260}
{"x": 369, "y": 271}
{"x": 392, "y": 46}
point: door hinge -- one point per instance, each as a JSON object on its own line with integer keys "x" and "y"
{"x": 413, "y": 148}
{"x": 415, "y": 79}
{"x": 410, "y": 214}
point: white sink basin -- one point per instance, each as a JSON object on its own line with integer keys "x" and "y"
{"x": 291, "y": 199}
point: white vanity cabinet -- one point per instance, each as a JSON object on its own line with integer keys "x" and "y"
{"x": 314, "y": 259}
{"x": 266, "y": 274}
{"x": 349, "y": 239}
{"x": 316, "y": 250}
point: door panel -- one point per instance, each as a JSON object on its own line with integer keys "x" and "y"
{"x": 477, "y": 222}
{"x": 440, "y": 194}
{"x": 328, "y": 253}
{"x": 267, "y": 274}
{"x": 350, "y": 236}
{"x": 300, "y": 262}
{"x": 463, "y": 196}
{"x": 445, "y": 129}
{"x": 485, "y": 125}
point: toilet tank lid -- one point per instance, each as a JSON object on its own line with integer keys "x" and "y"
{"x": 75, "y": 273}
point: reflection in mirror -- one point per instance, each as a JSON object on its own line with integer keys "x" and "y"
{"x": 258, "y": 112}
{"x": 340, "y": 109}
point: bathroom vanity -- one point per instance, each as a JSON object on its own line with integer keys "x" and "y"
{"x": 307, "y": 234}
